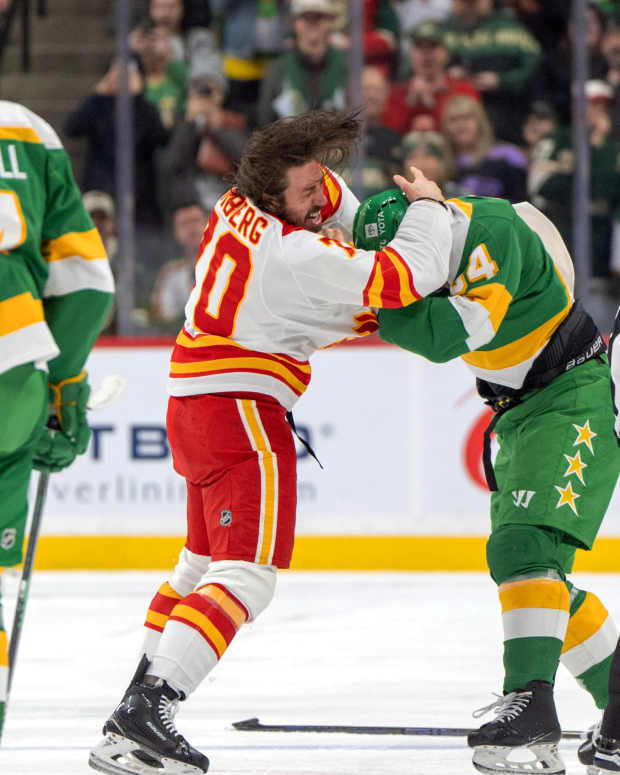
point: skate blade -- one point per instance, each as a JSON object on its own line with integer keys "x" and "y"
{"x": 114, "y": 755}
{"x": 524, "y": 760}
{"x": 605, "y": 763}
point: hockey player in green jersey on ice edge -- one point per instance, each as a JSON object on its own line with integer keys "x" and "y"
{"x": 504, "y": 303}
{"x": 56, "y": 290}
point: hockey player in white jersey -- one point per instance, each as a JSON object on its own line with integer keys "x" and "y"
{"x": 270, "y": 290}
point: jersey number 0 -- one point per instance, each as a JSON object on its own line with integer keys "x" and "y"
{"x": 224, "y": 285}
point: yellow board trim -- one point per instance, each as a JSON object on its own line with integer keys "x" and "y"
{"x": 318, "y": 552}
{"x": 20, "y": 311}
{"x": 534, "y": 593}
{"x": 585, "y": 622}
{"x": 21, "y": 133}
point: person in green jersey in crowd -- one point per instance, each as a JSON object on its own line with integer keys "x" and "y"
{"x": 507, "y": 308}
{"x": 56, "y": 289}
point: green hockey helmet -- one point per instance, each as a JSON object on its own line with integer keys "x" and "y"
{"x": 377, "y": 219}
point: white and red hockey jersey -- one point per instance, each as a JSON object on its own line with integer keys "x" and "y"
{"x": 268, "y": 294}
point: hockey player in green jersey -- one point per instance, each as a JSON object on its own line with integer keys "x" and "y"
{"x": 55, "y": 292}
{"x": 506, "y": 307}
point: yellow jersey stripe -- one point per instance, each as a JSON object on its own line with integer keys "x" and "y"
{"x": 494, "y": 298}
{"x": 376, "y": 289}
{"x": 248, "y": 364}
{"x": 20, "y": 311}
{"x": 534, "y": 593}
{"x": 86, "y": 245}
{"x": 333, "y": 190}
{"x": 587, "y": 620}
{"x": 225, "y": 602}
{"x": 20, "y": 133}
{"x": 244, "y": 69}
{"x": 214, "y": 636}
{"x": 466, "y": 207}
{"x": 211, "y": 340}
{"x": 404, "y": 278}
{"x": 518, "y": 351}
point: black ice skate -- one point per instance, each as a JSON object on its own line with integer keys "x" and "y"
{"x": 585, "y": 752}
{"x": 600, "y": 754}
{"x": 140, "y": 737}
{"x": 523, "y": 737}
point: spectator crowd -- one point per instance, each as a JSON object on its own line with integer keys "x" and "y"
{"x": 476, "y": 93}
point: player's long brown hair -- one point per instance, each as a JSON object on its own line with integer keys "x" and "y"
{"x": 322, "y": 135}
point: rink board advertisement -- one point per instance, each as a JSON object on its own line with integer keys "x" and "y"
{"x": 399, "y": 438}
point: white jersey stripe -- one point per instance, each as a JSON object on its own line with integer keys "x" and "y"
{"x": 75, "y": 274}
{"x": 31, "y": 343}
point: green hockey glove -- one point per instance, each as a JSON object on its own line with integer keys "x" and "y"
{"x": 67, "y": 433}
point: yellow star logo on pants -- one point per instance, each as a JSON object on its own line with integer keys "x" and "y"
{"x": 576, "y": 466}
{"x": 567, "y": 496}
{"x": 584, "y": 435}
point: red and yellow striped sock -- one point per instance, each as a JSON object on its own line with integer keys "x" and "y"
{"x": 161, "y": 607}
{"x": 199, "y": 629}
{"x": 213, "y": 612}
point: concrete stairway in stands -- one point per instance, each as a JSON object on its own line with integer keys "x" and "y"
{"x": 71, "y": 47}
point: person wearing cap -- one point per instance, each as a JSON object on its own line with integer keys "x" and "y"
{"x": 500, "y": 56}
{"x": 418, "y": 102}
{"x": 551, "y": 175}
{"x": 313, "y": 74}
{"x": 100, "y": 206}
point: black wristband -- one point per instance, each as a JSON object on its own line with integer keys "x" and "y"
{"x": 430, "y": 199}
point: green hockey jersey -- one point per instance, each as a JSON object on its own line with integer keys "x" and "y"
{"x": 55, "y": 281}
{"x": 504, "y": 298}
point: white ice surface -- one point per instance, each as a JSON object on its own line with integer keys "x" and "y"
{"x": 408, "y": 649}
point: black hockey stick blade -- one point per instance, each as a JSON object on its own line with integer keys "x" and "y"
{"x": 254, "y": 725}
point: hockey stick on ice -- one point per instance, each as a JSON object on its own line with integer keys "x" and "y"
{"x": 254, "y": 725}
{"x": 109, "y": 390}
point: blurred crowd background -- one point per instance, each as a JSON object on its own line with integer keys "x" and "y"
{"x": 479, "y": 94}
